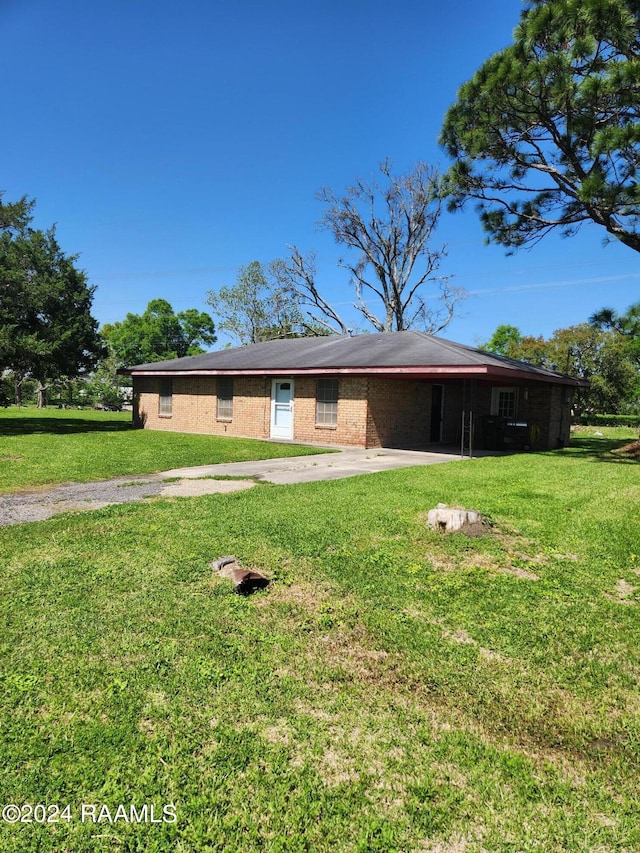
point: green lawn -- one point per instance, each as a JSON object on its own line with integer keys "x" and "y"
{"x": 394, "y": 690}
{"x": 47, "y": 446}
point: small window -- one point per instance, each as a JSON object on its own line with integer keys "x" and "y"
{"x": 327, "y": 402}
{"x": 224, "y": 409}
{"x": 503, "y": 402}
{"x": 165, "y": 404}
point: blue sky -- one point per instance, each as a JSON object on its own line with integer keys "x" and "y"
{"x": 174, "y": 142}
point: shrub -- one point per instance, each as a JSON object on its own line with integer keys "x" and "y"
{"x": 608, "y": 420}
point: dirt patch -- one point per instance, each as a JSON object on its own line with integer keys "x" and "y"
{"x": 79, "y": 506}
{"x": 479, "y": 528}
{"x": 303, "y": 595}
{"x": 493, "y": 657}
{"x": 352, "y": 651}
{"x": 501, "y": 564}
{"x": 279, "y": 733}
{"x": 453, "y": 845}
{"x": 195, "y": 488}
{"x": 517, "y": 572}
{"x": 623, "y": 592}
{"x": 630, "y": 451}
{"x": 459, "y": 636}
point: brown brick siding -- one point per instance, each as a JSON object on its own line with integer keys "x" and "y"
{"x": 195, "y": 404}
{"x": 539, "y": 404}
{"x": 194, "y": 409}
{"x": 352, "y": 412}
{"x": 399, "y": 413}
{"x": 372, "y": 411}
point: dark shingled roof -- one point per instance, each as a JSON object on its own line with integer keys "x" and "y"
{"x": 407, "y": 351}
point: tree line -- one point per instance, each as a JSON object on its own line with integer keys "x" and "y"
{"x": 47, "y": 331}
{"x": 544, "y": 137}
{"x": 605, "y": 350}
{"x": 48, "y": 335}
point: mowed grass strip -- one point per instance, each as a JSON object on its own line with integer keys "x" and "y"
{"x": 395, "y": 689}
{"x": 42, "y": 447}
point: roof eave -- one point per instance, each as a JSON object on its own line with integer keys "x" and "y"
{"x": 416, "y": 371}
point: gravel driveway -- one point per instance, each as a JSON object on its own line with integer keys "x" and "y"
{"x": 42, "y": 503}
{"x": 79, "y": 497}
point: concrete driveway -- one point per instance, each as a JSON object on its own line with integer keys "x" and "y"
{"x": 42, "y": 503}
{"x": 306, "y": 469}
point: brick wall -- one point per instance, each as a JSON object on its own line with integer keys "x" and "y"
{"x": 352, "y": 412}
{"x": 194, "y": 406}
{"x": 372, "y": 412}
{"x": 539, "y": 404}
{"x": 399, "y": 412}
{"x": 559, "y": 422}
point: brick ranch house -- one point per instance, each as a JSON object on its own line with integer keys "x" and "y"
{"x": 396, "y": 389}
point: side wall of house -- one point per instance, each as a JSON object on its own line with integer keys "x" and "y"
{"x": 551, "y": 410}
{"x": 194, "y": 406}
{"x": 350, "y": 429}
{"x": 398, "y": 413}
{"x": 372, "y": 412}
{"x": 544, "y": 407}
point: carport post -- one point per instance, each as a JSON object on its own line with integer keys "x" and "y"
{"x": 466, "y": 431}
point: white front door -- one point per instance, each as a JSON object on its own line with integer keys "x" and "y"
{"x": 282, "y": 408}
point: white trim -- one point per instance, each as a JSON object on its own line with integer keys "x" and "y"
{"x": 282, "y": 412}
{"x": 495, "y": 400}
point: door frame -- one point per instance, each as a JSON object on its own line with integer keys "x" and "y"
{"x": 273, "y": 431}
{"x": 437, "y": 414}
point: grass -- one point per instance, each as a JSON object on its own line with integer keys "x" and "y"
{"x": 394, "y": 689}
{"x": 42, "y": 447}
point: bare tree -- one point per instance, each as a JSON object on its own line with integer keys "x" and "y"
{"x": 390, "y": 226}
{"x": 297, "y": 276}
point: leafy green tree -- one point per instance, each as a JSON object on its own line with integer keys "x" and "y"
{"x": 600, "y": 357}
{"x": 259, "y": 307}
{"x": 16, "y": 215}
{"x": 47, "y": 330}
{"x": 590, "y": 353}
{"x": 105, "y": 387}
{"x": 503, "y": 337}
{"x": 158, "y": 334}
{"x": 546, "y": 134}
{"x": 531, "y": 349}
{"x": 627, "y": 325}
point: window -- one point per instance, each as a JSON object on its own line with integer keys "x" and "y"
{"x": 327, "y": 402}
{"x": 503, "y": 402}
{"x": 224, "y": 410}
{"x": 165, "y": 398}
